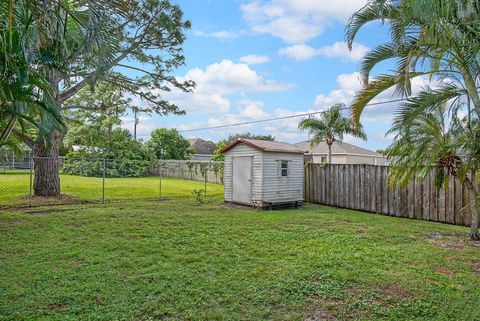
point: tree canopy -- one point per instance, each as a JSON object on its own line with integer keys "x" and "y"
{"x": 168, "y": 144}
{"x": 439, "y": 39}
{"x": 76, "y": 45}
{"x": 331, "y": 127}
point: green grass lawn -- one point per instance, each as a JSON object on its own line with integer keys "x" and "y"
{"x": 15, "y": 187}
{"x": 178, "y": 260}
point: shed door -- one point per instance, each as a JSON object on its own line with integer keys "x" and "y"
{"x": 242, "y": 179}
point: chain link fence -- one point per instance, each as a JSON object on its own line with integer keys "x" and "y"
{"x": 37, "y": 181}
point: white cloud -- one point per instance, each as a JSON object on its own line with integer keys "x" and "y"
{"x": 248, "y": 110}
{"x": 217, "y": 81}
{"x": 336, "y": 50}
{"x": 227, "y": 77}
{"x": 340, "y": 50}
{"x": 282, "y": 130}
{"x": 221, "y": 35}
{"x": 298, "y": 52}
{"x": 252, "y": 109}
{"x": 255, "y": 59}
{"x": 297, "y": 21}
{"x": 349, "y": 84}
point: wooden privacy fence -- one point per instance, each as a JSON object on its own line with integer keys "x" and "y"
{"x": 364, "y": 187}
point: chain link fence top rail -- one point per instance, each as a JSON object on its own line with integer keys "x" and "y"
{"x": 29, "y": 181}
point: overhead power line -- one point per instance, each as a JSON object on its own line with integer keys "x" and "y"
{"x": 283, "y": 117}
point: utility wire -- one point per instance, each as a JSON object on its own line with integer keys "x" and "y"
{"x": 284, "y": 117}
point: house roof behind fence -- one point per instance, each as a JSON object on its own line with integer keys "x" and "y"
{"x": 265, "y": 146}
{"x": 203, "y": 147}
{"x": 337, "y": 148}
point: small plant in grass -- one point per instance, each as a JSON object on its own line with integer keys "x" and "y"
{"x": 198, "y": 195}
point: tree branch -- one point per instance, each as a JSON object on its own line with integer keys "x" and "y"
{"x": 25, "y": 138}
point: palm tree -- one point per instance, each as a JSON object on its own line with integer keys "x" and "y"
{"x": 431, "y": 141}
{"x": 330, "y": 128}
{"x": 439, "y": 39}
{"x": 23, "y": 89}
{"x": 82, "y": 42}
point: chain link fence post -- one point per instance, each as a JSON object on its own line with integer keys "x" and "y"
{"x": 31, "y": 162}
{"x": 205, "y": 192}
{"x": 160, "y": 176}
{"x": 103, "y": 181}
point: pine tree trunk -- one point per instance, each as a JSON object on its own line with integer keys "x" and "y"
{"x": 47, "y": 166}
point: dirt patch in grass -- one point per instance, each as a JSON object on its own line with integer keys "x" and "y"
{"x": 44, "y": 212}
{"x": 476, "y": 268}
{"x": 329, "y": 309}
{"x": 320, "y": 315}
{"x": 445, "y": 271}
{"x": 451, "y": 240}
{"x": 56, "y": 306}
{"x": 11, "y": 223}
{"x": 95, "y": 299}
{"x": 78, "y": 263}
{"x": 38, "y": 201}
{"x": 78, "y": 224}
{"x": 361, "y": 231}
{"x": 236, "y": 206}
{"x": 394, "y": 290}
{"x": 322, "y": 309}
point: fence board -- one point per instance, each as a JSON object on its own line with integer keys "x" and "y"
{"x": 426, "y": 200}
{"x": 353, "y": 189}
{"x": 441, "y": 205}
{"x": 418, "y": 199}
{"x": 458, "y": 203}
{"x": 364, "y": 187}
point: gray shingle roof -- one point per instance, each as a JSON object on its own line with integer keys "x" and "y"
{"x": 265, "y": 145}
{"x": 200, "y": 146}
{"x": 337, "y": 148}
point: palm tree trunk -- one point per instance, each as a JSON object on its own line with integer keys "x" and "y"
{"x": 473, "y": 199}
{"x": 47, "y": 167}
{"x": 46, "y": 161}
{"x": 472, "y": 91}
{"x": 329, "y": 153}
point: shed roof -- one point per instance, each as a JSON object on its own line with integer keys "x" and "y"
{"x": 337, "y": 148}
{"x": 265, "y": 146}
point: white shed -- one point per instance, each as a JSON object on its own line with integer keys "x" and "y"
{"x": 263, "y": 173}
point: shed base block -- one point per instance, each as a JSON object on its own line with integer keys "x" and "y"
{"x": 271, "y": 205}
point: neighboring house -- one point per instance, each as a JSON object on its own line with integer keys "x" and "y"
{"x": 88, "y": 149}
{"x": 342, "y": 153}
{"x": 202, "y": 149}
{"x": 263, "y": 173}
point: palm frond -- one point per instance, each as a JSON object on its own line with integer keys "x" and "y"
{"x": 372, "y": 11}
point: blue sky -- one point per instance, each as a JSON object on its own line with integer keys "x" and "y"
{"x": 262, "y": 59}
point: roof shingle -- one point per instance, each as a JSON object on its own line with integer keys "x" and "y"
{"x": 200, "y": 146}
{"x": 337, "y": 148}
{"x": 265, "y": 145}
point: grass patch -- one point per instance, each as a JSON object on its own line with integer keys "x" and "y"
{"x": 178, "y": 260}
{"x": 15, "y": 187}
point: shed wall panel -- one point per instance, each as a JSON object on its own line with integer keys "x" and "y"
{"x": 282, "y": 189}
{"x": 239, "y": 151}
